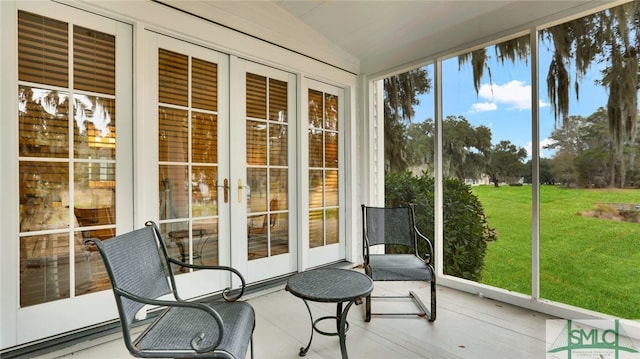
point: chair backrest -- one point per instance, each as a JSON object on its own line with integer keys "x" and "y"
{"x": 135, "y": 265}
{"x": 388, "y": 225}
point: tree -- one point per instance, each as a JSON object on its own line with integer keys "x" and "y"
{"x": 464, "y": 148}
{"x": 611, "y": 37}
{"x": 400, "y": 95}
{"x": 420, "y": 144}
{"x": 545, "y": 172}
{"x": 505, "y": 162}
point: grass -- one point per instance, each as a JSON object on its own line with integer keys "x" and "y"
{"x": 587, "y": 262}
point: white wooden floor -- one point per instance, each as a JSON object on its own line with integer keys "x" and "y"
{"x": 467, "y": 326}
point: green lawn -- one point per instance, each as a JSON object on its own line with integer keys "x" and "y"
{"x": 587, "y": 262}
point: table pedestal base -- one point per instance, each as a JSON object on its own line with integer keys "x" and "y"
{"x": 341, "y": 327}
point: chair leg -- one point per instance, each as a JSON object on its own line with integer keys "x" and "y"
{"x": 367, "y": 310}
{"x": 432, "y": 318}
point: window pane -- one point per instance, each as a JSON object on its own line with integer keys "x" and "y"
{"x": 333, "y": 225}
{"x": 204, "y": 137}
{"x": 278, "y": 141}
{"x": 94, "y": 131}
{"x": 174, "y": 194}
{"x": 257, "y": 181}
{"x": 323, "y": 154}
{"x": 43, "y": 188}
{"x": 43, "y": 122}
{"x": 331, "y": 112}
{"x": 316, "y": 229}
{"x": 94, "y": 61}
{"x": 589, "y": 172}
{"x": 204, "y": 191}
{"x": 173, "y": 135}
{"x": 48, "y": 203}
{"x": 204, "y": 89}
{"x": 331, "y": 149}
{"x": 205, "y": 241}
{"x": 173, "y": 78}
{"x": 486, "y": 145}
{"x": 316, "y": 189}
{"x": 256, "y": 96}
{"x": 43, "y": 54}
{"x": 44, "y": 268}
{"x": 256, "y": 143}
{"x": 277, "y": 101}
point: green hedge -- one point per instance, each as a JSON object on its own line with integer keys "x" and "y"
{"x": 466, "y": 231}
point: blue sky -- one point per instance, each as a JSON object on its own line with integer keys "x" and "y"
{"x": 503, "y": 102}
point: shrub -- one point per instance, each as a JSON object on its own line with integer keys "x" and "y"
{"x": 466, "y": 231}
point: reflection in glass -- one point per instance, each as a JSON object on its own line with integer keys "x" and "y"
{"x": 279, "y": 187}
{"x": 174, "y": 192}
{"x": 277, "y": 101}
{"x": 256, "y": 143}
{"x": 278, "y": 141}
{"x": 267, "y": 144}
{"x": 205, "y": 241}
{"x": 316, "y": 229}
{"x": 188, "y": 154}
{"x": 204, "y": 191}
{"x": 332, "y": 226}
{"x": 44, "y": 188}
{"x": 173, "y": 135}
{"x": 64, "y": 213}
{"x": 323, "y": 163}
{"x": 43, "y": 117}
{"x": 204, "y": 137}
{"x": 44, "y": 268}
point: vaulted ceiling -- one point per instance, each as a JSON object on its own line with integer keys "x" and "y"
{"x": 371, "y": 37}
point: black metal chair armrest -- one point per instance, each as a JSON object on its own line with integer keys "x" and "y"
{"x": 427, "y": 256}
{"x": 226, "y": 292}
{"x": 199, "y": 337}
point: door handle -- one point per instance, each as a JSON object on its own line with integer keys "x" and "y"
{"x": 226, "y": 190}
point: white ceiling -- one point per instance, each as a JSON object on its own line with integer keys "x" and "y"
{"x": 370, "y": 36}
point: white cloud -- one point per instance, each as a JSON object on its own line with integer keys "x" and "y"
{"x": 483, "y": 107}
{"x": 543, "y": 152}
{"x": 515, "y": 95}
{"x": 547, "y": 141}
{"x": 542, "y": 104}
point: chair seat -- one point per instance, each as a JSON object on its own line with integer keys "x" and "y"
{"x": 399, "y": 267}
{"x": 175, "y": 329}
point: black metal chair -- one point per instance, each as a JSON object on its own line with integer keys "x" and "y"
{"x": 405, "y": 255}
{"x": 139, "y": 268}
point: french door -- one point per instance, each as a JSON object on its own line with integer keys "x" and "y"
{"x": 73, "y": 158}
{"x": 263, "y": 154}
{"x": 224, "y": 163}
{"x": 324, "y": 175}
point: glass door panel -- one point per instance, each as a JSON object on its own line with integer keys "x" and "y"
{"x": 323, "y": 169}
{"x": 267, "y": 166}
{"x": 188, "y": 155}
{"x": 67, "y": 147}
{"x": 74, "y": 162}
{"x": 324, "y": 162}
{"x": 263, "y": 164}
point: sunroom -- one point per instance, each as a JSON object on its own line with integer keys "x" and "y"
{"x": 252, "y": 132}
